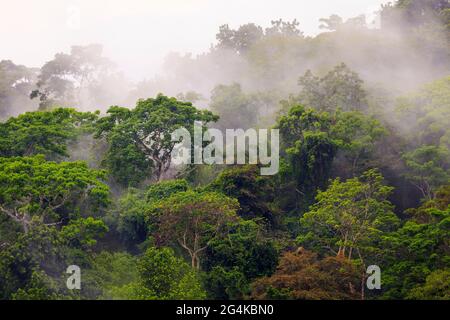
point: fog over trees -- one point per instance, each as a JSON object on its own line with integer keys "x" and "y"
{"x": 363, "y": 113}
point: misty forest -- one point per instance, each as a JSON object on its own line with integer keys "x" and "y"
{"x": 363, "y": 115}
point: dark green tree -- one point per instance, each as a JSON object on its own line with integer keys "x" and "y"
{"x": 416, "y": 255}
{"x": 358, "y": 137}
{"x": 254, "y": 192}
{"x": 133, "y": 207}
{"x": 308, "y": 147}
{"x": 233, "y": 261}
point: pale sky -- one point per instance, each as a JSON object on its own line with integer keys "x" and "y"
{"x": 137, "y": 34}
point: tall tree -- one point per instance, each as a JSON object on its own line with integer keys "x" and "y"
{"x": 309, "y": 148}
{"x": 191, "y": 219}
{"x": 357, "y": 137}
{"x": 349, "y": 216}
{"x": 349, "y": 219}
{"x": 67, "y": 79}
{"x": 140, "y": 139}
{"x": 428, "y": 168}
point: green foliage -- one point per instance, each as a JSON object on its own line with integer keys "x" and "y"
{"x": 312, "y": 140}
{"x": 436, "y": 287}
{"x": 39, "y": 287}
{"x": 140, "y": 139}
{"x": 30, "y": 252}
{"x": 350, "y": 216}
{"x": 308, "y": 146}
{"x": 42, "y": 132}
{"x": 226, "y": 283}
{"x": 234, "y": 260}
{"x": 165, "y": 189}
{"x": 253, "y": 191}
{"x": 415, "y": 251}
{"x": 427, "y": 113}
{"x": 33, "y": 267}
{"x": 191, "y": 219}
{"x": 132, "y": 225}
{"x": 428, "y": 168}
{"x": 107, "y": 272}
{"x": 34, "y": 190}
{"x": 82, "y": 232}
{"x": 357, "y": 136}
{"x": 134, "y": 206}
{"x": 162, "y": 276}
{"x": 125, "y": 162}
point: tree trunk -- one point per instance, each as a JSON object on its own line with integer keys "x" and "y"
{"x": 363, "y": 285}
{"x": 195, "y": 261}
{"x": 25, "y": 227}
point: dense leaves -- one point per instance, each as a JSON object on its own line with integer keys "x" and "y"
{"x": 191, "y": 219}
{"x": 47, "y": 133}
{"x": 350, "y": 215}
{"x": 234, "y": 260}
{"x": 140, "y": 139}
{"x": 301, "y": 275}
{"x": 254, "y": 192}
{"x": 364, "y": 173}
{"x": 33, "y": 190}
{"x": 161, "y": 276}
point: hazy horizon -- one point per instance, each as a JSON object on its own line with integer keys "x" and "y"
{"x": 138, "y": 34}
